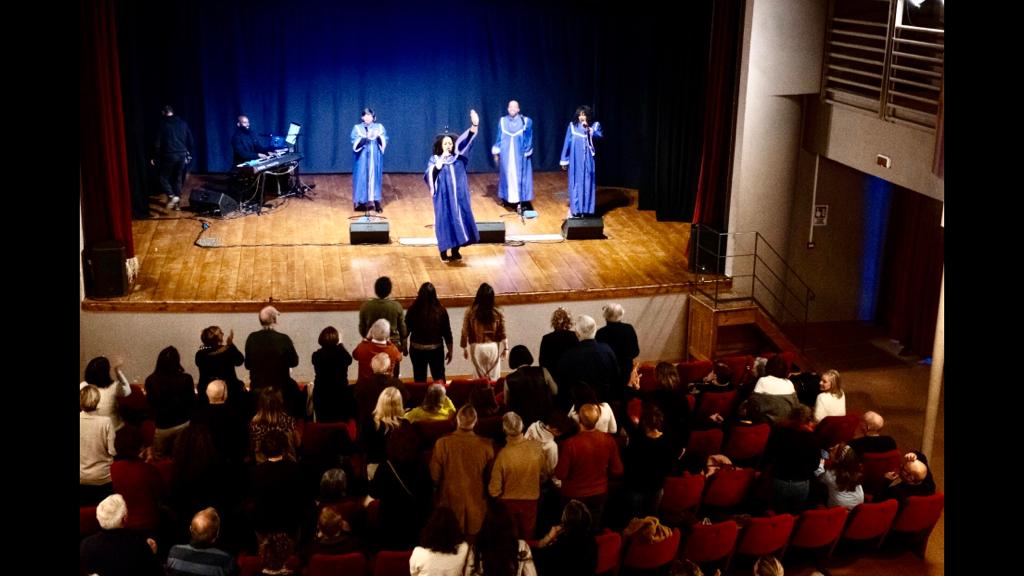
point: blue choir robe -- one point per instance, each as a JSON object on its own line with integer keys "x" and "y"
{"x": 449, "y": 187}
{"x": 368, "y": 162}
{"x": 578, "y": 155}
{"x": 515, "y": 144}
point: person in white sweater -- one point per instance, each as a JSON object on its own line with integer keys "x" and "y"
{"x": 831, "y": 401}
{"x": 776, "y": 379}
{"x": 97, "y": 373}
{"x": 443, "y": 550}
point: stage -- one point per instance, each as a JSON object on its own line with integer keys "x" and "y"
{"x": 298, "y": 251}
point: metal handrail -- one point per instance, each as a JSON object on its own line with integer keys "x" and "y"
{"x": 794, "y": 298}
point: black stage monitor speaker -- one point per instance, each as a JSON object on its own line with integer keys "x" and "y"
{"x": 369, "y": 233}
{"x": 583, "y": 228}
{"x": 202, "y": 200}
{"x": 491, "y": 232}
{"x": 103, "y": 266}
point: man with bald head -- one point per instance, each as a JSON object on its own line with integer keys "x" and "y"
{"x": 199, "y": 557}
{"x": 269, "y": 355}
{"x": 913, "y": 478}
{"x": 586, "y": 462}
{"x": 512, "y": 153}
{"x": 228, "y": 424}
{"x": 872, "y": 441}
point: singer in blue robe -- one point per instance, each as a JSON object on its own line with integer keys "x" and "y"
{"x": 512, "y": 151}
{"x": 578, "y": 159}
{"x": 369, "y": 139}
{"x": 446, "y": 178}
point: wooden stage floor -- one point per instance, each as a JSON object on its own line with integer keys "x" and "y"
{"x": 298, "y": 252}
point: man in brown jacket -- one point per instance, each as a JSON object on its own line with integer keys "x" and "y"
{"x": 517, "y": 475}
{"x": 459, "y": 468}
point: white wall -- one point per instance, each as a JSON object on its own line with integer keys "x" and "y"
{"x": 856, "y": 138}
{"x": 781, "y": 58}
{"x": 659, "y": 322}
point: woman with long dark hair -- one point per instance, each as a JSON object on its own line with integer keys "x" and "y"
{"x": 449, "y": 188}
{"x": 484, "y": 341}
{"x": 171, "y": 393}
{"x": 497, "y": 550}
{"x": 97, "y": 373}
{"x": 443, "y": 549}
{"x": 430, "y": 331}
{"x": 578, "y": 159}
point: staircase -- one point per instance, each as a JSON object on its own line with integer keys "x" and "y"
{"x": 752, "y": 302}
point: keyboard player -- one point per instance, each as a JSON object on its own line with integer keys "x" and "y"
{"x": 245, "y": 144}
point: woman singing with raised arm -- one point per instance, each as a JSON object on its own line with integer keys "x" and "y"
{"x": 449, "y": 188}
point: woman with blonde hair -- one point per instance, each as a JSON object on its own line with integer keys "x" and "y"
{"x": 831, "y": 401}
{"x": 554, "y": 343}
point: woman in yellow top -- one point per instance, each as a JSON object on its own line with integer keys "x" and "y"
{"x": 436, "y": 406}
{"x": 483, "y": 340}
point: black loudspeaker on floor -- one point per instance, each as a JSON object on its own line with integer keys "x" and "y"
{"x": 103, "y": 266}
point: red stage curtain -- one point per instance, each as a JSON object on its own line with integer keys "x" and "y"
{"x": 106, "y": 197}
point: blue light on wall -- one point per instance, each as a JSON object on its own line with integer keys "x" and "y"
{"x": 877, "y": 194}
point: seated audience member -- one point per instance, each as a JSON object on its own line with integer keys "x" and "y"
{"x": 333, "y": 536}
{"x": 115, "y": 550}
{"x": 831, "y": 401}
{"x": 436, "y": 406}
{"x": 720, "y": 379}
{"x": 768, "y": 566}
{"x": 842, "y": 479}
{"x": 199, "y": 557}
{"x": 772, "y": 408}
{"x": 443, "y": 549}
{"x": 872, "y": 441}
{"x": 275, "y": 550}
{"x": 914, "y": 478}
{"x": 775, "y": 381}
